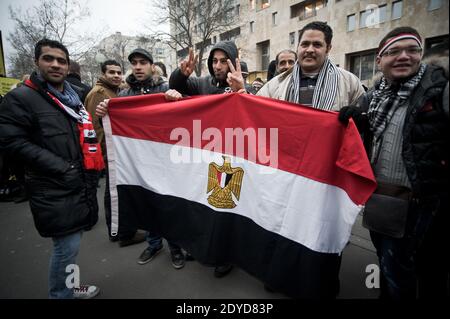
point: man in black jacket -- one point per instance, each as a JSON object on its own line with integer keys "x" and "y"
{"x": 224, "y": 77}
{"x": 143, "y": 80}
{"x": 405, "y": 122}
{"x": 44, "y": 124}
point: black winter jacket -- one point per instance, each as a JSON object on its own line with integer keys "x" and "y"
{"x": 149, "y": 86}
{"x": 36, "y": 131}
{"x": 426, "y": 144}
{"x": 207, "y": 84}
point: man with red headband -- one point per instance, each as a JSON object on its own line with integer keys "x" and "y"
{"x": 405, "y": 122}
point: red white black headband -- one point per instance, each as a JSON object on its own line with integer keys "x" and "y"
{"x": 403, "y": 36}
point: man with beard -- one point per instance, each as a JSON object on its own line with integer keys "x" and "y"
{"x": 285, "y": 60}
{"x": 224, "y": 77}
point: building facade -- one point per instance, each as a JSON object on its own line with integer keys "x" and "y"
{"x": 265, "y": 27}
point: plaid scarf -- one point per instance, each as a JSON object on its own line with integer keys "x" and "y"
{"x": 326, "y": 86}
{"x": 386, "y": 99}
{"x": 92, "y": 153}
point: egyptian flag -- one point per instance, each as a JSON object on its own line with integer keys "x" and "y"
{"x": 269, "y": 186}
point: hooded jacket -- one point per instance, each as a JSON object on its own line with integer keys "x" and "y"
{"x": 206, "y": 84}
{"x": 34, "y": 130}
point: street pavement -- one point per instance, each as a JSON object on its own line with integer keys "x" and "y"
{"x": 24, "y": 257}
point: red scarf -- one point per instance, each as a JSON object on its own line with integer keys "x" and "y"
{"x": 92, "y": 153}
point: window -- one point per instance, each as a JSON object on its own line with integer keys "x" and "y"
{"x": 252, "y": 4}
{"x": 382, "y": 13}
{"x": 238, "y": 9}
{"x": 274, "y": 18}
{"x": 351, "y": 22}
{"x": 372, "y": 17}
{"x": 292, "y": 38}
{"x": 230, "y": 35}
{"x": 252, "y": 26}
{"x": 397, "y": 8}
{"x": 434, "y": 44}
{"x": 262, "y": 4}
{"x": 307, "y": 9}
{"x": 264, "y": 48}
{"x": 434, "y": 4}
{"x": 363, "y": 65}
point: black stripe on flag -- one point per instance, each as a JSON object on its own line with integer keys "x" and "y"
{"x": 216, "y": 238}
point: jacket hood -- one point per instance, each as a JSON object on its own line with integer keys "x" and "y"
{"x": 230, "y": 49}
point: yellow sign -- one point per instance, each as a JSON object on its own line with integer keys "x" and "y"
{"x": 2, "y": 58}
{"x": 6, "y": 84}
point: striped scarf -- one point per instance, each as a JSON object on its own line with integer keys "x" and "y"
{"x": 386, "y": 99}
{"x": 92, "y": 153}
{"x": 326, "y": 86}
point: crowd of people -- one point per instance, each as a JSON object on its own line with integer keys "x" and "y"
{"x": 52, "y": 124}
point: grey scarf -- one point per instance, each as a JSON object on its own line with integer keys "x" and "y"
{"x": 326, "y": 86}
{"x": 386, "y": 99}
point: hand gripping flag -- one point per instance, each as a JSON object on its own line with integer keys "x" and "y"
{"x": 269, "y": 186}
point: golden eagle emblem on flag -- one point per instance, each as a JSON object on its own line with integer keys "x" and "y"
{"x": 222, "y": 181}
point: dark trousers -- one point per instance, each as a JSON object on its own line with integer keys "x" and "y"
{"x": 416, "y": 266}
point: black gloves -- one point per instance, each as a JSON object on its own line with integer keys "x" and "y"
{"x": 359, "y": 117}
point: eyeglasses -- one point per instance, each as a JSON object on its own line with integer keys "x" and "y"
{"x": 396, "y": 52}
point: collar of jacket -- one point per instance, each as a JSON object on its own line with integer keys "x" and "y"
{"x": 138, "y": 85}
{"x": 102, "y": 82}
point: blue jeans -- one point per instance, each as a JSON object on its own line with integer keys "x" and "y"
{"x": 65, "y": 251}
{"x": 155, "y": 242}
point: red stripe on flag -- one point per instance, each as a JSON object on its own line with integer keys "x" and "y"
{"x": 311, "y": 143}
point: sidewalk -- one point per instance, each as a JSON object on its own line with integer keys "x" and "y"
{"x": 25, "y": 256}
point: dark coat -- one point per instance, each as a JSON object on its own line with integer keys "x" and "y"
{"x": 82, "y": 89}
{"x": 426, "y": 144}
{"x": 149, "y": 86}
{"x": 38, "y": 132}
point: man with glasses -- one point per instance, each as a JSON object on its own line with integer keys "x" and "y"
{"x": 406, "y": 132}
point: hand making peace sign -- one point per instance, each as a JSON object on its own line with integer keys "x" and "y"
{"x": 187, "y": 66}
{"x": 234, "y": 77}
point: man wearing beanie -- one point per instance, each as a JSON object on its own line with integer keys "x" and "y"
{"x": 144, "y": 80}
{"x": 405, "y": 122}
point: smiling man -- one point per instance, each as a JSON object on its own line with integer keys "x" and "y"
{"x": 407, "y": 136}
{"x": 45, "y": 125}
{"x": 285, "y": 60}
{"x": 106, "y": 87}
{"x": 315, "y": 81}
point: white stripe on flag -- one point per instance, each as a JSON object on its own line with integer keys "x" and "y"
{"x": 316, "y": 215}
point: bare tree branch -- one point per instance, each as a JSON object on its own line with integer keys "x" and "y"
{"x": 193, "y": 22}
{"x": 52, "y": 19}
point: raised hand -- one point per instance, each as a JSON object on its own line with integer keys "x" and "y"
{"x": 234, "y": 77}
{"x": 187, "y": 66}
{"x": 102, "y": 108}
